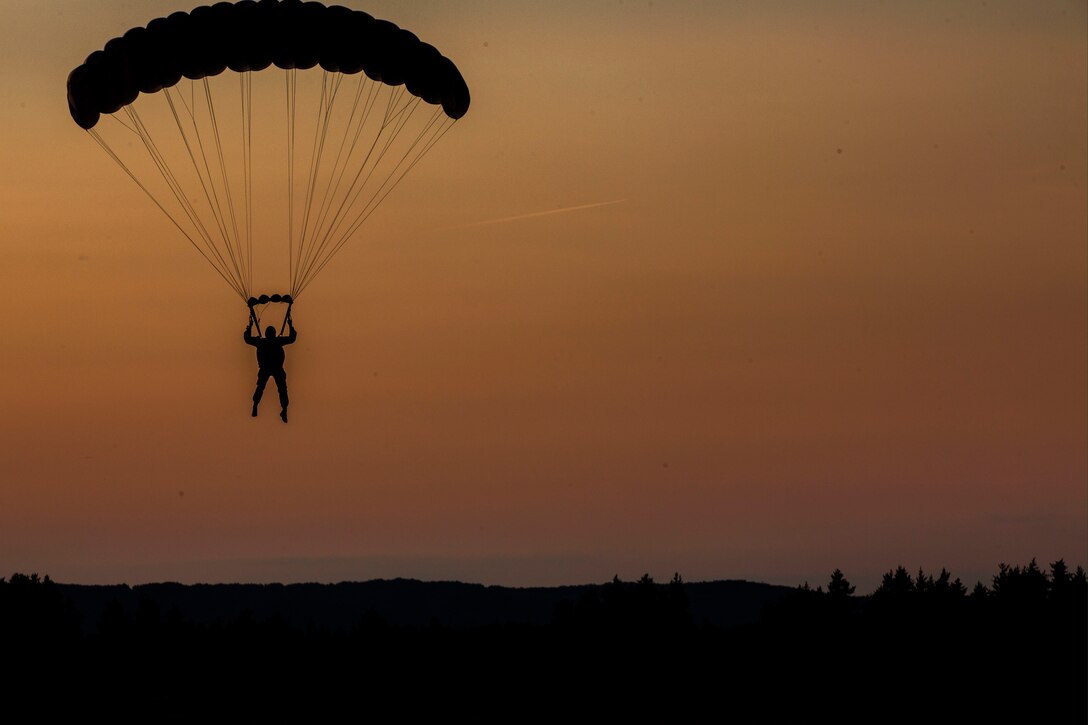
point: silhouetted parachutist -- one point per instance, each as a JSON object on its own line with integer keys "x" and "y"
{"x": 270, "y": 357}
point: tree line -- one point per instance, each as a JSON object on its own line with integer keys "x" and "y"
{"x": 920, "y": 647}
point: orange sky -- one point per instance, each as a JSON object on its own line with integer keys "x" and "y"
{"x": 838, "y": 320}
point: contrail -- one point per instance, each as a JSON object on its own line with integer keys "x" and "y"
{"x": 531, "y": 215}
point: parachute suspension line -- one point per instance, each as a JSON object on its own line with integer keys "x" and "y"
{"x": 289, "y": 77}
{"x": 179, "y": 194}
{"x": 234, "y": 242}
{"x": 443, "y": 126}
{"x": 396, "y": 132}
{"x": 205, "y": 182}
{"x": 366, "y": 166}
{"x": 213, "y": 200}
{"x": 122, "y": 123}
{"x": 352, "y": 194}
{"x": 324, "y": 115}
{"x": 246, "y": 87}
{"x": 168, "y": 176}
{"x": 368, "y": 104}
{"x": 336, "y": 179}
{"x": 436, "y": 127}
{"x": 110, "y": 152}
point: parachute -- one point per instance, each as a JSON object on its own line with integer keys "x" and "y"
{"x": 255, "y": 159}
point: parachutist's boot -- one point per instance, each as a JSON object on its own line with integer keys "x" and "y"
{"x": 254, "y": 414}
{"x": 283, "y": 415}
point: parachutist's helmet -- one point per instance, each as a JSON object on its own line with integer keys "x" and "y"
{"x": 270, "y": 331}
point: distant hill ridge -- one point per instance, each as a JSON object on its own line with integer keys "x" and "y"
{"x": 400, "y": 602}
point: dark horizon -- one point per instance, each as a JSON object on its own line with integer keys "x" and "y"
{"x": 403, "y": 600}
{"x": 632, "y": 649}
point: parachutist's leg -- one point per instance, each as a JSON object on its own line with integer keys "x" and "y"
{"x": 262, "y": 380}
{"x": 281, "y": 386}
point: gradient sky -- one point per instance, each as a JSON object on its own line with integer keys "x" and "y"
{"x": 837, "y": 320}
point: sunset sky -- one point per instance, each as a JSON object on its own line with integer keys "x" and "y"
{"x": 819, "y": 299}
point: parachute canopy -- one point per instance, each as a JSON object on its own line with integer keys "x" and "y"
{"x": 250, "y": 36}
{"x": 212, "y": 148}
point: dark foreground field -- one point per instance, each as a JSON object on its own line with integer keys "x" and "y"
{"x": 920, "y": 649}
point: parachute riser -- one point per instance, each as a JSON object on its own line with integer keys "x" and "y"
{"x": 286, "y": 318}
{"x": 266, "y": 299}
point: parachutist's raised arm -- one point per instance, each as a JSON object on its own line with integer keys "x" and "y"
{"x": 293, "y": 335}
{"x": 247, "y": 336}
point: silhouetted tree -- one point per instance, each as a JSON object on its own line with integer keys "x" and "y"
{"x": 895, "y": 594}
{"x": 896, "y": 584}
{"x": 1020, "y": 588}
{"x": 34, "y": 613}
{"x": 1060, "y": 579}
{"x": 839, "y": 586}
{"x": 923, "y": 584}
{"x": 943, "y": 586}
